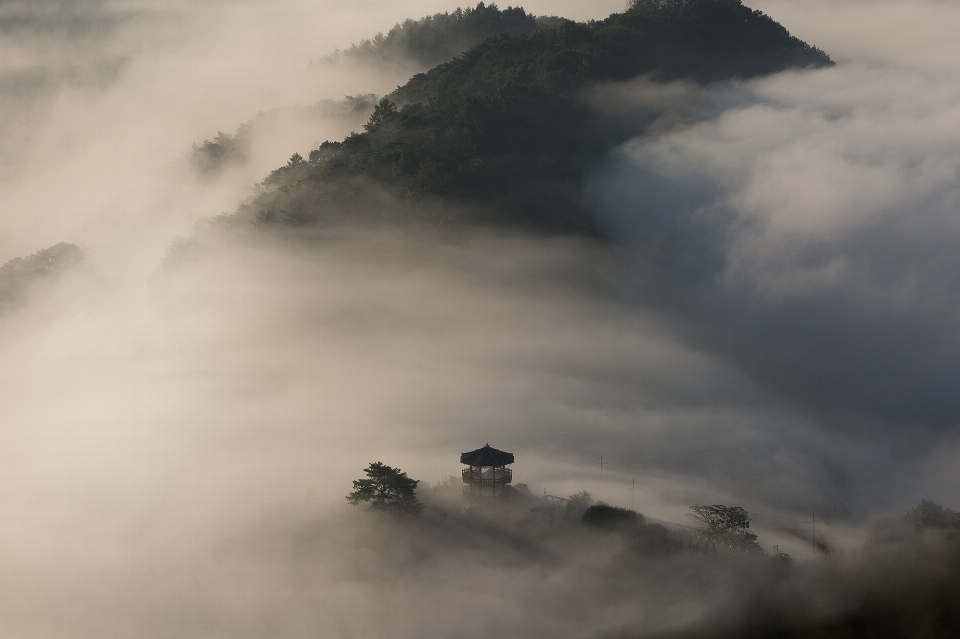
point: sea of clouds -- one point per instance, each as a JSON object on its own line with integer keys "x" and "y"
{"x": 775, "y": 325}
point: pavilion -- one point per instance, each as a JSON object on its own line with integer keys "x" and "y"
{"x": 486, "y": 475}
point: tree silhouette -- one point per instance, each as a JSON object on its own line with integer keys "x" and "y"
{"x": 578, "y": 503}
{"x": 610, "y": 517}
{"x": 722, "y": 519}
{"x": 383, "y": 112}
{"x": 437, "y": 38}
{"x": 930, "y": 514}
{"x": 386, "y": 489}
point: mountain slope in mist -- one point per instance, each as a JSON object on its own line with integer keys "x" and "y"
{"x": 436, "y": 39}
{"x": 503, "y": 131}
{"x": 905, "y": 588}
{"x": 209, "y": 159}
{"x": 20, "y": 274}
{"x": 410, "y": 47}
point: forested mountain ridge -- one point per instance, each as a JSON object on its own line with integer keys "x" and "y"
{"x": 409, "y": 47}
{"x": 438, "y": 38}
{"x": 703, "y": 40}
{"x": 209, "y": 158}
{"x": 500, "y": 136}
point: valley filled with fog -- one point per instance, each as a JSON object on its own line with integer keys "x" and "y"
{"x": 766, "y": 316}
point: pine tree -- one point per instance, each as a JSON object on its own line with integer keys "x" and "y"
{"x": 386, "y": 489}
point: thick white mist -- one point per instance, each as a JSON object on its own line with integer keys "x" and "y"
{"x": 814, "y": 216}
{"x": 102, "y": 100}
{"x": 176, "y": 438}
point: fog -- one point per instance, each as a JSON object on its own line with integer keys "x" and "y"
{"x": 178, "y": 429}
{"x": 806, "y": 229}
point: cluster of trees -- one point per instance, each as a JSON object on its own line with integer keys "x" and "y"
{"x": 604, "y": 516}
{"x": 17, "y": 275}
{"x": 437, "y": 38}
{"x": 721, "y": 519}
{"x": 388, "y": 489}
{"x": 645, "y": 538}
{"x": 930, "y": 514}
{"x": 578, "y": 503}
{"x": 703, "y": 40}
{"x": 726, "y": 520}
{"x": 502, "y": 131}
{"x": 211, "y": 157}
{"x": 716, "y": 519}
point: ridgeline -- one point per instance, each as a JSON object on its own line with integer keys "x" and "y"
{"x": 435, "y": 39}
{"x": 500, "y": 135}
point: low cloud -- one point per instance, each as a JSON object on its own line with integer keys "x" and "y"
{"x": 774, "y": 327}
{"x": 806, "y": 231}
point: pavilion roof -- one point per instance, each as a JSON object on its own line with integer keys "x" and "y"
{"x": 486, "y": 456}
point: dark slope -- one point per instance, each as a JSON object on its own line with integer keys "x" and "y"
{"x": 498, "y": 136}
{"x": 437, "y": 38}
{"x": 703, "y": 40}
{"x": 409, "y": 47}
{"x": 211, "y": 157}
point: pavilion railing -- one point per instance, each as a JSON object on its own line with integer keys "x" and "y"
{"x": 473, "y": 475}
{"x": 468, "y": 493}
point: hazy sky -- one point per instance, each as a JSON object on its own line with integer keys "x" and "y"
{"x": 794, "y": 350}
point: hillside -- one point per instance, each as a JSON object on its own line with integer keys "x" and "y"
{"x": 210, "y": 157}
{"x": 409, "y": 47}
{"x": 435, "y": 39}
{"x": 18, "y": 275}
{"x": 500, "y": 135}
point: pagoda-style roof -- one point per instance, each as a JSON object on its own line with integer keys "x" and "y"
{"x": 486, "y": 456}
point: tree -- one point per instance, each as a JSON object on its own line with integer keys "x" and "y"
{"x": 610, "y": 517}
{"x": 386, "y": 489}
{"x": 435, "y": 39}
{"x": 20, "y": 273}
{"x": 295, "y": 160}
{"x": 779, "y": 555}
{"x": 722, "y": 519}
{"x": 383, "y": 112}
{"x": 578, "y": 503}
{"x": 930, "y": 514}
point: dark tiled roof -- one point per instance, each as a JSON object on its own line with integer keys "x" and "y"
{"x": 486, "y": 456}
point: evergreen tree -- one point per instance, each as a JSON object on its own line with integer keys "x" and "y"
{"x": 386, "y": 489}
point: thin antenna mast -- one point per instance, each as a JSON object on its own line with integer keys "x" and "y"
{"x": 813, "y": 534}
{"x": 601, "y": 463}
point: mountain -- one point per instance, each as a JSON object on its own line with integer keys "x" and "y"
{"x": 211, "y": 157}
{"x": 501, "y": 135}
{"x": 435, "y": 39}
{"x": 20, "y": 274}
{"x": 409, "y": 47}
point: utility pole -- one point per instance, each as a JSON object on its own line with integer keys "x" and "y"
{"x": 813, "y": 536}
{"x": 633, "y": 490}
{"x": 601, "y": 463}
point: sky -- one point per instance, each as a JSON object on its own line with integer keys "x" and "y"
{"x": 171, "y": 433}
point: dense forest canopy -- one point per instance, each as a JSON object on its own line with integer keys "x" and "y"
{"x": 501, "y": 130}
{"x": 409, "y": 47}
{"x": 438, "y": 38}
